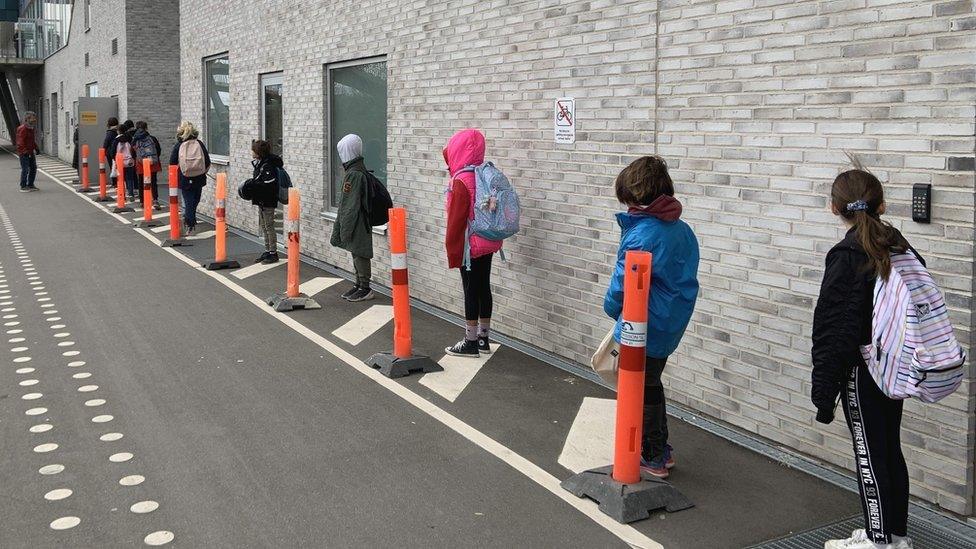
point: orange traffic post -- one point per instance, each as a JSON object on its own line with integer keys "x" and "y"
{"x": 175, "y": 236}
{"x": 83, "y": 166}
{"x": 292, "y": 298}
{"x": 220, "y": 228}
{"x": 147, "y": 199}
{"x": 401, "y": 362}
{"x": 102, "y": 177}
{"x": 621, "y": 490}
{"x": 120, "y": 206}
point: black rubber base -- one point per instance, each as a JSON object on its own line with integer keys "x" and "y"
{"x": 170, "y": 243}
{"x": 86, "y": 191}
{"x": 147, "y": 224}
{"x": 218, "y": 265}
{"x": 626, "y": 503}
{"x": 124, "y": 209}
{"x": 394, "y": 367}
{"x": 100, "y": 199}
{"x": 283, "y": 303}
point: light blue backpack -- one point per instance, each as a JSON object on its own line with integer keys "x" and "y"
{"x": 496, "y": 207}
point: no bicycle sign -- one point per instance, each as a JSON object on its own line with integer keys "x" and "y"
{"x": 564, "y": 120}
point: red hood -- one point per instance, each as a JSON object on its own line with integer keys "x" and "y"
{"x": 664, "y": 207}
{"x": 466, "y": 148}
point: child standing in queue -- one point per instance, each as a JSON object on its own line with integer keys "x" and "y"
{"x": 352, "y": 231}
{"x": 652, "y": 223}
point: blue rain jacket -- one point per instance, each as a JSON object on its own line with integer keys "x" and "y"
{"x": 674, "y": 278}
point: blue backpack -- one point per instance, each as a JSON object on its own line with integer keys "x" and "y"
{"x": 496, "y": 207}
{"x": 284, "y": 183}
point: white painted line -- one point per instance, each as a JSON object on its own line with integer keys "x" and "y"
{"x": 255, "y": 269}
{"x": 317, "y": 284}
{"x": 365, "y": 324}
{"x": 159, "y": 215}
{"x": 158, "y": 230}
{"x": 201, "y": 236}
{"x": 458, "y": 373}
{"x": 589, "y": 443}
{"x": 533, "y": 472}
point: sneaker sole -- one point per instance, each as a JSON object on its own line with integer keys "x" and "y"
{"x": 360, "y": 300}
{"x": 663, "y": 475}
{"x": 465, "y": 355}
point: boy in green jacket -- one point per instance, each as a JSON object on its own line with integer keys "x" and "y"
{"x": 352, "y": 231}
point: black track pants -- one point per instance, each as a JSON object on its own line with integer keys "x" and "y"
{"x": 477, "y": 288}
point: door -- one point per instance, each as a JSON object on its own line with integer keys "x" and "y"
{"x": 271, "y": 110}
{"x": 54, "y": 123}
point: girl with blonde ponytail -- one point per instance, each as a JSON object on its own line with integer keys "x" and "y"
{"x": 841, "y": 324}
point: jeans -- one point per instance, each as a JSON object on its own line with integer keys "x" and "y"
{"x": 191, "y": 199}
{"x": 131, "y": 184}
{"x": 655, "y": 429}
{"x": 364, "y": 270}
{"x": 266, "y": 218}
{"x": 477, "y": 288}
{"x": 28, "y": 170}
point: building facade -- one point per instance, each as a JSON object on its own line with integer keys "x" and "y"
{"x": 753, "y": 103}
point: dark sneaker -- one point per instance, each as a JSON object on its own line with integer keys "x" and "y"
{"x": 350, "y": 292}
{"x": 189, "y": 230}
{"x": 659, "y": 467}
{"x": 262, "y": 257}
{"x": 362, "y": 294}
{"x": 156, "y": 205}
{"x": 31, "y": 188}
{"x": 464, "y": 348}
{"x": 24, "y": 190}
{"x": 483, "y": 345}
{"x": 272, "y": 258}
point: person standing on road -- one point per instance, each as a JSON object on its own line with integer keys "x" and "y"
{"x": 147, "y": 146}
{"x": 464, "y": 150}
{"x": 352, "y": 230}
{"x": 123, "y": 147}
{"x": 842, "y": 323}
{"x": 111, "y": 132}
{"x": 652, "y": 223}
{"x": 265, "y": 196}
{"x": 27, "y": 151}
{"x": 194, "y": 161}
{"x": 74, "y": 154}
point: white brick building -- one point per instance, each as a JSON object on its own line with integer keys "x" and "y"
{"x": 752, "y": 102}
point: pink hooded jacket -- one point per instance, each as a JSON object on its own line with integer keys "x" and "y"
{"x": 466, "y": 148}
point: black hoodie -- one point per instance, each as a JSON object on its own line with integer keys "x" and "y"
{"x": 265, "y": 181}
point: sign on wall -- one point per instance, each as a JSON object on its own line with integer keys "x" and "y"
{"x": 89, "y": 118}
{"x": 564, "y": 120}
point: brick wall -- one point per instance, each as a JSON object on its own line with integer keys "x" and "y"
{"x": 751, "y": 101}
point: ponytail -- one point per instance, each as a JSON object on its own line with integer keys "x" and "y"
{"x": 858, "y": 197}
{"x": 878, "y": 239}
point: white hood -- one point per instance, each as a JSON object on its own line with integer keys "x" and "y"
{"x": 349, "y": 147}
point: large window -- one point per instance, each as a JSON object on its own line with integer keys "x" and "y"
{"x": 216, "y": 89}
{"x": 271, "y": 110}
{"x": 357, "y": 104}
{"x": 91, "y": 89}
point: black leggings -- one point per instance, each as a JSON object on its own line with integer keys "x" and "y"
{"x": 477, "y": 288}
{"x": 875, "y": 424}
{"x": 655, "y": 428}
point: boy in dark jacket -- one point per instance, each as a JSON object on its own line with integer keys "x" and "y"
{"x": 111, "y": 132}
{"x": 352, "y": 230}
{"x": 147, "y": 146}
{"x": 265, "y": 196}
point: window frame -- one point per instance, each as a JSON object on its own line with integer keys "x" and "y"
{"x": 88, "y": 88}
{"x": 216, "y": 158}
{"x": 264, "y": 80}
{"x": 87, "y": 15}
{"x": 328, "y": 209}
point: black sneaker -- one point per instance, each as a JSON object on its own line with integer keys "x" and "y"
{"x": 272, "y": 258}
{"x": 350, "y": 292}
{"x": 24, "y": 190}
{"x": 31, "y": 188}
{"x": 483, "y": 345}
{"x": 156, "y": 206}
{"x": 262, "y": 257}
{"x": 464, "y": 348}
{"x": 362, "y": 294}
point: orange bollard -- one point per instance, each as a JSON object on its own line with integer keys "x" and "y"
{"x": 174, "y": 208}
{"x": 220, "y": 228}
{"x": 102, "y": 177}
{"x": 120, "y": 206}
{"x": 620, "y": 489}
{"x": 147, "y": 216}
{"x": 402, "y": 361}
{"x": 83, "y": 165}
{"x": 293, "y": 298}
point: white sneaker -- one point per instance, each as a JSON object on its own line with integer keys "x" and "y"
{"x": 859, "y": 540}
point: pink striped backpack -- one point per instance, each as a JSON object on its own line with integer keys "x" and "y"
{"x": 914, "y": 352}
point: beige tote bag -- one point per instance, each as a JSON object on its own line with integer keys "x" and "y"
{"x": 604, "y": 361}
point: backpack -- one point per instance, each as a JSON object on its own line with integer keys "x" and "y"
{"x": 496, "y": 207}
{"x": 380, "y": 201}
{"x": 914, "y": 352}
{"x": 126, "y": 149}
{"x": 146, "y": 148}
{"x": 192, "y": 161}
{"x": 284, "y": 183}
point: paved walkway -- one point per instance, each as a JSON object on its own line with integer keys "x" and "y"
{"x": 144, "y": 400}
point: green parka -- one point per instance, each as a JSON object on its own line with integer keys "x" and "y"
{"x": 352, "y": 231}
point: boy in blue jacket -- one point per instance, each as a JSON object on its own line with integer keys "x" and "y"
{"x": 652, "y": 224}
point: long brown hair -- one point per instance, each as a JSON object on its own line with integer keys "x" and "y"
{"x": 857, "y": 196}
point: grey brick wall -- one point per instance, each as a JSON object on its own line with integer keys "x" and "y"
{"x": 751, "y": 101}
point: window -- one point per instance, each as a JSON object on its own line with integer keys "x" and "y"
{"x": 91, "y": 89}
{"x": 357, "y": 104}
{"x": 271, "y": 110}
{"x": 216, "y": 89}
{"x": 115, "y": 46}
{"x": 87, "y": 15}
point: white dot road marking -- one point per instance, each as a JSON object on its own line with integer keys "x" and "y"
{"x": 58, "y": 494}
{"x": 36, "y": 411}
{"x": 76, "y": 363}
{"x": 15, "y": 331}
{"x": 25, "y": 370}
{"x": 47, "y": 305}
{"x": 144, "y": 507}
{"x": 102, "y": 419}
{"x": 120, "y": 457}
{"x": 71, "y": 353}
{"x": 82, "y": 375}
{"x": 12, "y": 323}
{"x": 364, "y": 324}
{"x": 29, "y": 382}
{"x": 56, "y": 326}
{"x": 41, "y": 428}
{"x": 19, "y": 349}
{"x": 132, "y": 480}
{"x": 64, "y": 523}
{"x": 65, "y": 343}
{"x": 32, "y": 396}
{"x": 16, "y": 340}
{"x": 110, "y": 437}
{"x": 21, "y": 359}
{"x": 52, "y": 469}
{"x": 62, "y": 334}
{"x": 161, "y": 537}
{"x": 45, "y": 448}
{"x": 94, "y": 402}
{"x": 87, "y": 388}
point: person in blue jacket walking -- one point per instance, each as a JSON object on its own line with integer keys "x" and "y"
{"x": 652, "y": 223}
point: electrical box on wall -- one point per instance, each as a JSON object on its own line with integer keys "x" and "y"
{"x": 922, "y": 203}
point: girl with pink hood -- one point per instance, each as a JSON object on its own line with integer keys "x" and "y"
{"x": 464, "y": 151}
